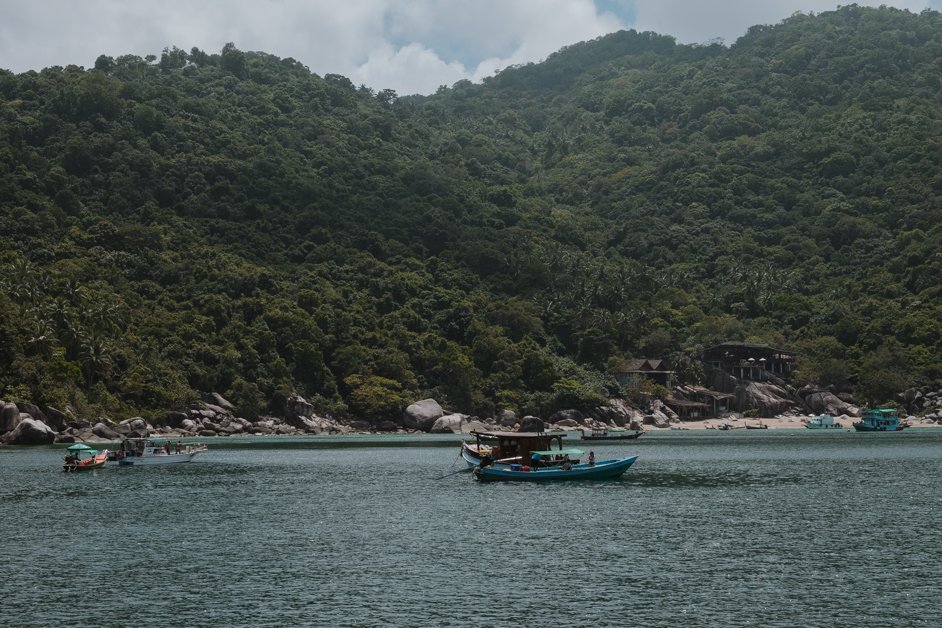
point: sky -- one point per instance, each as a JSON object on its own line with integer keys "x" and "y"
{"x": 410, "y": 46}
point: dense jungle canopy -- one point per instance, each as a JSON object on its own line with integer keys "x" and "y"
{"x": 232, "y": 222}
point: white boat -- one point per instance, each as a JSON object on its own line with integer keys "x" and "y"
{"x": 156, "y": 450}
{"x": 822, "y": 422}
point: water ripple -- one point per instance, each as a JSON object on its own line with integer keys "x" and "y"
{"x": 711, "y": 533}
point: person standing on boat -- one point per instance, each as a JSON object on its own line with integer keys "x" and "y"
{"x": 591, "y": 458}
{"x": 534, "y": 460}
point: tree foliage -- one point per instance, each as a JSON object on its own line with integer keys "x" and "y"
{"x": 232, "y": 222}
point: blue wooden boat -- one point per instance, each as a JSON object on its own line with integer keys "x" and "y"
{"x": 602, "y": 470}
{"x": 879, "y": 420}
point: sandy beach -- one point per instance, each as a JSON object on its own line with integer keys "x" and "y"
{"x": 792, "y": 422}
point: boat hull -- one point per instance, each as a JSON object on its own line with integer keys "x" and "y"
{"x": 870, "y": 428}
{"x": 603, "y": 470}
{"x": 470, "y": 455}
{"x": 625, "y": 436}
{"x": 142, "y": 461}
{"x": 96, "y": 462}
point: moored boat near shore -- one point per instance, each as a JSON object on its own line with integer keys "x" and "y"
{"x": 822, "y": 422}
{"x": 81, "y": 457}
{"x": 156, "y": 450}
{"x": 611, "y": 433}
{"x": 879, "y": 420}
{"x": 602, "y": 470}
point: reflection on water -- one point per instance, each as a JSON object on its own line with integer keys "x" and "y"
{"x": 770, "y": 530}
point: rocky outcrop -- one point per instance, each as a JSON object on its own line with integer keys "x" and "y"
{"x": 422, "y": 415}
{"x": 826, "y": 402}
{"x": 56, "y": 419}
{"x": 32, "y": 410}
{"x": 102, "y": 430}
{"x": 175, "y": 418}
{"x": 30, "y": 431}
{"x": 506, "y": 418}
{"x": 765, "y": 398}
{"x": 618, "y": 413}
{"x": 925, "y": 402}
{"x": 532, "y": 424}
{"x": 218, "y": 400}
{"x": 9, "y": 417}
{"x": 562, "y": 415}
{"x": 476, "y": 425}
{"x": 449, "y": 424}
{"x": 660, "y": 415}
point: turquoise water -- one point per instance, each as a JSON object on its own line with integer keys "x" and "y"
{"x": 771, "y": 528}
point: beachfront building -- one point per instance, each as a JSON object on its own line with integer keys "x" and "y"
{"x": 748, "y": 361}
{"x": 710, "y": 403}
{"x": 688, "y": 410}
{"x": 655, "y": 370}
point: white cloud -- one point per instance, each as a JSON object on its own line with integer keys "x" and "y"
{"x": 412, "y": 69}
{"x": 412, "y": 46}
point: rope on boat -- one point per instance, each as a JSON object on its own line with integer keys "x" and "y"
{"x": 457, "y": 458}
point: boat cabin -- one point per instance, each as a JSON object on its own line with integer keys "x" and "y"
{"x": 150, "y": 446}
{"x": 520, "y": 445}
{"x": 879, "y": 420}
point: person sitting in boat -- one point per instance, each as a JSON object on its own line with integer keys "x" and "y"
{"x": 535, "y": 460}
{"x": 591, "y": 458}
{"x": 567, "y": 463}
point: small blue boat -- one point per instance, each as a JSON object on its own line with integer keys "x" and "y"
{"x": 602, "y": 470}
{"x": 879, "y": 420}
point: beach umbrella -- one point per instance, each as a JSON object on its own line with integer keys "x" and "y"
{"x": 78, "y": 447}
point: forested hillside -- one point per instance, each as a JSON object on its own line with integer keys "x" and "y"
{"x": 234, "y": 223}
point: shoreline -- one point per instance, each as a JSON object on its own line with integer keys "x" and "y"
{"x": 776, "y": 423}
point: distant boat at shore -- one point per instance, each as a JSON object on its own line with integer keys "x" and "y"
{"x": 611, "y": 433}
{"x": 822, "y": 422}
{"x": 880, "y": 420}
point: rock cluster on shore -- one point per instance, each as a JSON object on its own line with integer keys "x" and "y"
{"x": 27, "y": 424}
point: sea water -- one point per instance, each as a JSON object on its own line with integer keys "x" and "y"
{"x": 771, "y": 528}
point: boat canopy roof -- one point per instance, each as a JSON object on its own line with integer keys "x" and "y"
{"x": 558, "y": 452}
{"x": 508, "y": 435}
{"x": 154, "y": 439}
{"x": 78, "y": 447}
